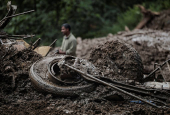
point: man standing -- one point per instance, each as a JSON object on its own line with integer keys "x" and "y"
{"x": 69, "y": 43}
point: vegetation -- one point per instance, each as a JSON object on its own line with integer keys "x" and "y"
{"x": 88, "y": 18}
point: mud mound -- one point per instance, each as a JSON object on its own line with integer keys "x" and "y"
{"x": 15, "y": 64}
{"x": 152, "y": 45}
{"x": 15, "y": 84}
{"x": 16, "y": 61}
{"x": 161, "y": 22}
{"x": 118, "y": 61}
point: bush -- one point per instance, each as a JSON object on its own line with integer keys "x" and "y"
{"x": 88, "y": 18}
{"x": 133, "y": 16}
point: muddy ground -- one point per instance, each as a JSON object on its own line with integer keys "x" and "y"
{"x": 20, "y": 97}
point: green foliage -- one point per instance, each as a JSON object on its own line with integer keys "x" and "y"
{"x": 88, "y": 18}
{"x": 158, "y": 5}
{"x": 166, "y": 4}
{"x": 132, "y": 16}
{"x": 127, "y": 19}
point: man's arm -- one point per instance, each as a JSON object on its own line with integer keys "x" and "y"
{"x": 61, "y": 52}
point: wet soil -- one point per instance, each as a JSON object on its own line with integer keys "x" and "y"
{"x": 15, "y": 65}
{"x": 152, "y": 46}
{"x": 76, "y": 106}
{"x": 117, "y": 61}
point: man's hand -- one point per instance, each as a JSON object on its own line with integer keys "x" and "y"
{"x": 59, "y": 52}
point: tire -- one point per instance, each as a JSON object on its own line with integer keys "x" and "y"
{"x": 44, "y": 85}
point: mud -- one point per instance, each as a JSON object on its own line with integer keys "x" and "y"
{"x": 117, "y": 61}
{"x": 160, "y": 22}
{"x": 16, "y": 62}
{"x": 76, "y": 106}
{"x": 152, "y": 45}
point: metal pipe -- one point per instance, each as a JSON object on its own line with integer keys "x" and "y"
{"x": 13, "y": 36}
{"x": 51, "y": 47}
{"x": 24, "y": 37}
{"x": 3, "y": 36}
{"x": 162, "y": 74}
{"x": 168, "y": 65}
{"x": 17, "y": 15}
{"x": 36, "y": 43}
{"x": 1, "y": 41}
{"x": 116, "y": 88}
{"x": 53, "y": 43}
{"x": 156, "y": 69}
{"x": 28, "y": 36}
{"x": 19, "y": 35}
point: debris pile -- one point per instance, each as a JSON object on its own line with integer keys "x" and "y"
{"x": 15, "y": 64}
{"x": 161, "y": 22}
{"x": 152, "y": 45}
{"x": 16, "y": 55}
{"x": 118, "y": 61}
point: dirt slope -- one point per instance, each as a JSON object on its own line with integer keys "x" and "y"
{"x": 118, "y": 61}
{"x": 152, "y": 45}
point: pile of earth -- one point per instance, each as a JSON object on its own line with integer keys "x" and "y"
{"x": 16, "y": 62}
{"x": 160, "y": 22}
{"x": 153, "y": 46}
{"x": 14, "y": 69}
{"x": 117, "y": 61}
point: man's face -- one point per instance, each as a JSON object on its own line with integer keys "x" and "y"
{"x": 64, "y": 30}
